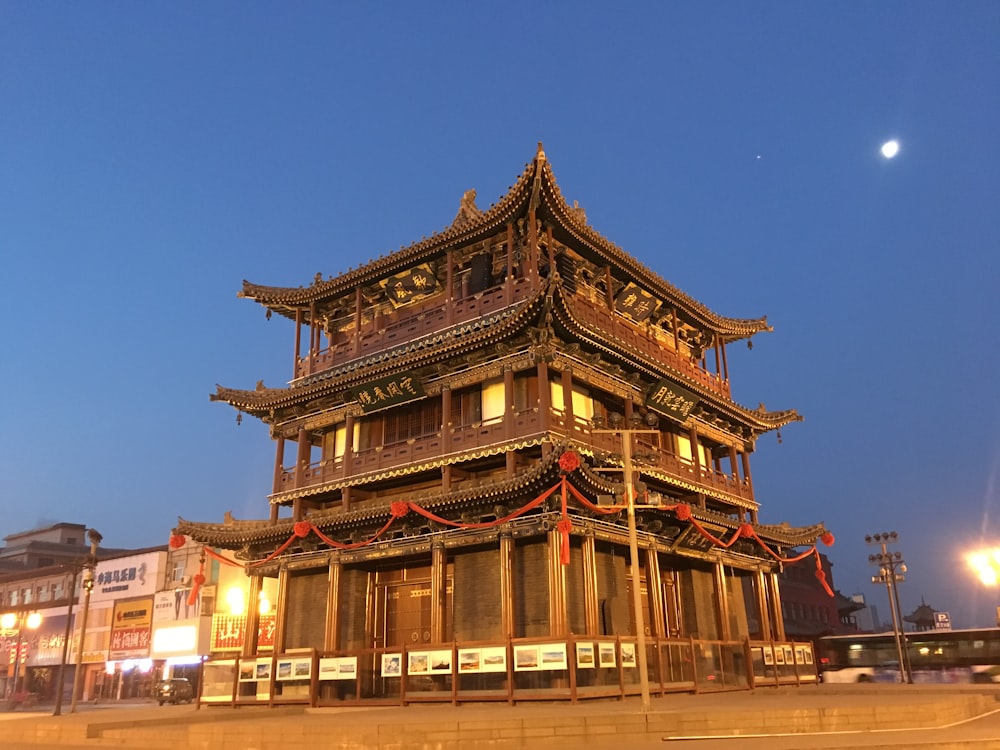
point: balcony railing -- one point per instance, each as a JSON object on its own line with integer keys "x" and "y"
{"x": 409, "y": 323}
{"x": 414, "y": 451}
{"x": 651, "y": 344}
{"x": 496, "y": 433}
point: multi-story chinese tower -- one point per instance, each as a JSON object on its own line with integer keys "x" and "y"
{"x": 452, "y": 447}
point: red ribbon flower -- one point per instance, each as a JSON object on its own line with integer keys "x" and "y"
{"x": 399, "y": 508}
{"x": 683, "y": 512}
{"x": 302, "y": 528}
{"x": 569, "y": 461}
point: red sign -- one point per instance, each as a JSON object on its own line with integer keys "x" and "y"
{"x": 228, "y": 632}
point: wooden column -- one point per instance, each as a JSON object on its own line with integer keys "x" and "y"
{"x": 677, "y": 330}
{"x": 510, "y": 415}
{"x": 357, "y": 321}
{"x": 557, "y": 587}
{"x": 745, "y": 457}
{"x": 722, "y": 596}
{"x": 718, "y": 362}
{"x": 449, "y": 283}
{"x": 695, "y": 453}
{"x": 506, "y": 584}
{"x": 279, "y": 464}
{"x": 591, "y": 601}
{"x": 281, "y": 611}
{"x": 298, "y": 342}
{"x": 510, "y": 418}
{"x": 567, "y": 389}
{"x": 348, "y": 459}
{"x": 774, "y": 596}
{"x": 551, "y": 250}
{"x": 252, "y": 628}
{"x": 439, "y": 583}
{"x": 446, "y": 418}
{"x": 301, "y": 464}
{"x": 609, "y": 290}
{"x": 331, "y": 640}
{"x": 279, "y": 470}
{"x": 532, "y": 244}
{"x": 313, "y": 339}
{"x": 508, "y": 292}
{"x": 760, "y": 591}
{"x": 725, "y": 362}
{"x": 446, "y": 435}
{"x": 544, "y": 396}
{"x": 654, "y": 590}
{"x": 734, "y": 464}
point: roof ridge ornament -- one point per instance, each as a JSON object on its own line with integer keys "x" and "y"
{"x": 468, "y": 212}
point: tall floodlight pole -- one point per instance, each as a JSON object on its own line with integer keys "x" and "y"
{"x": 633, "y": 546}
{"x": 88, "y": 585}
{"x": 891, "y": 569}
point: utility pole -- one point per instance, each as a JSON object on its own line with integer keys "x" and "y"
{"x": 88, "y": 586}
{"x": 57, "y": 711}
{"x": 633, "y": 546}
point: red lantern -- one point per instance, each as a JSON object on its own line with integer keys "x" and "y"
{"x": 563, "y": 527}
{"x": 569, "y": 461}
{"x": 302, "y": 528}
{"x": 177, "y": 541}
{"x": 827, "y": 539}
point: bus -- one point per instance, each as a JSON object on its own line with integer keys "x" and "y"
{"x": 971, "y": 655}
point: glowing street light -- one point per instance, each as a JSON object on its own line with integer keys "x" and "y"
{"x": 19, "y": 621}
{"x": 986, "y": 565}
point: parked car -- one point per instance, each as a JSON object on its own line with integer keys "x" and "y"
{"x": 174, "y": 691}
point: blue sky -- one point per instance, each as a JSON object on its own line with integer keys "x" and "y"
{"x": 153, "y": 155}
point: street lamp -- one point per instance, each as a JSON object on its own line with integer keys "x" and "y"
{"x": 88, "y": 585}
{"x": 19, "y": 620}
{"x": 986, "y": 565}
{"x": 890, "y": 572}
{"x": 615, "y": 420}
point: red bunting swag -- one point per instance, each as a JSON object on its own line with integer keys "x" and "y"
{"x": 568, "y": 462}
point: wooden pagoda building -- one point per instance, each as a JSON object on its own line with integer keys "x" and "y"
{"x": 452, "y": 446}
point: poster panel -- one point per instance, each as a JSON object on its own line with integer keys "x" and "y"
{"x": 606, "y": 654}
{"x": 494, "y": 659}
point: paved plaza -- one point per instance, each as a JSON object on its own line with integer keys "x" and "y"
{"x": 946, "y": 717}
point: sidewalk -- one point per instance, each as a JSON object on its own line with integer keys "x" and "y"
{"x": 930, "y": 717}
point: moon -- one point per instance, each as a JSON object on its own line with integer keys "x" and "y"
{"x": 890, "y": 149}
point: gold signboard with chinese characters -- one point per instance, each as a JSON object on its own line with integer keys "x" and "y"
{"x": 671, "y": 400}
{"x": 389, "y": 391}
{"x": 410, "y": 285}
{"x": 635, "y": 303}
